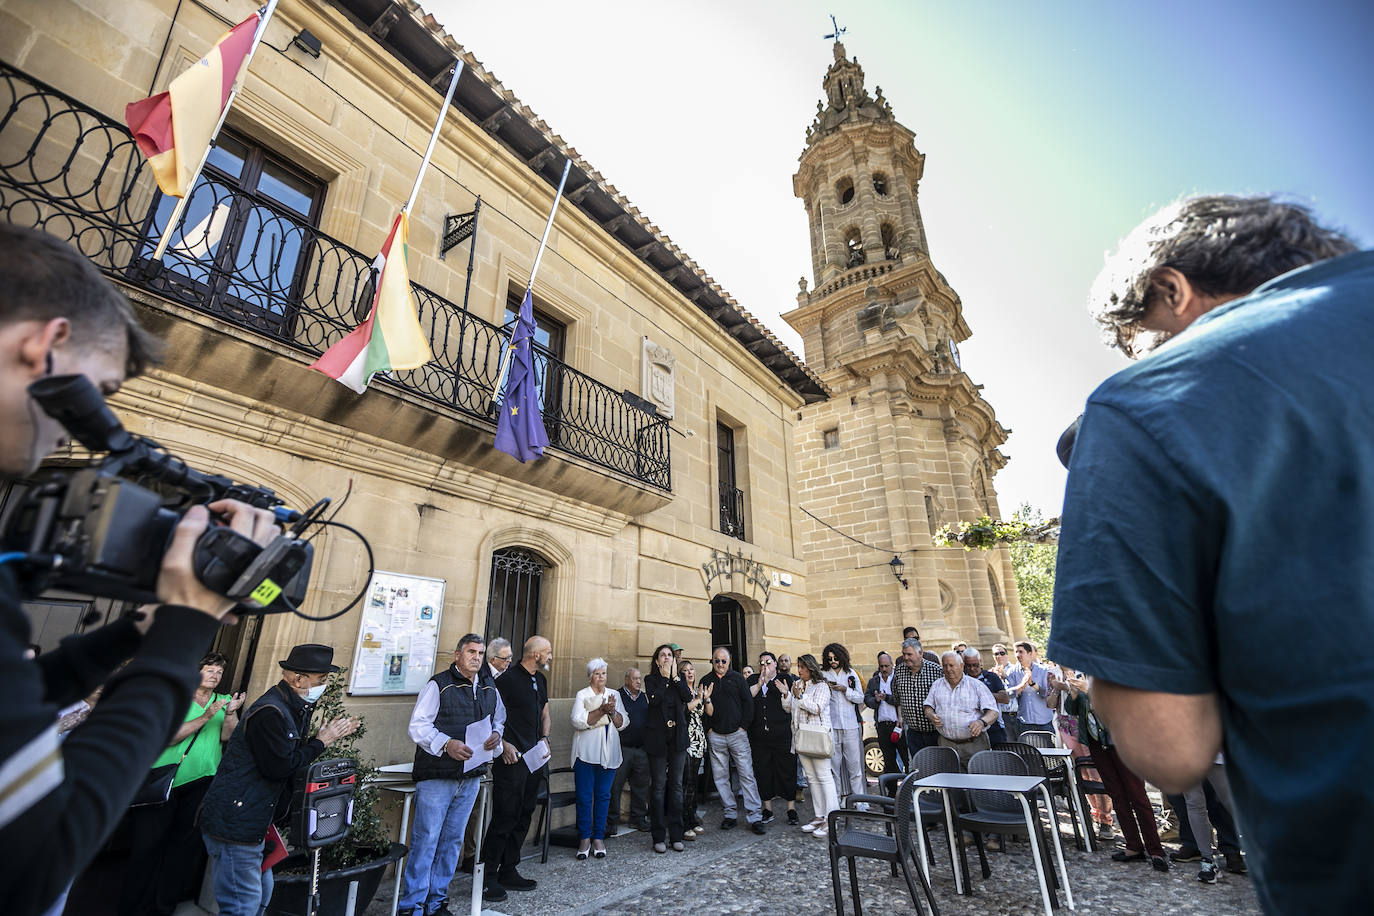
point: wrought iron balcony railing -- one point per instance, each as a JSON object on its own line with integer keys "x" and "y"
{"x": 732, "y": 511}
{"x": 69, "y": 170}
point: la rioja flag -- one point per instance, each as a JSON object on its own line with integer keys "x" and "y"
{"x": 174, "y": 128}
{"x": 390, "y": 338}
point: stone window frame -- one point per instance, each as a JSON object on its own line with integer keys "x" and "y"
{"x": 845, "y": 186}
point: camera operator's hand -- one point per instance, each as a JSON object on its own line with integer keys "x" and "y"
{"x": 177, "y": 584}
{"x": 341, "y": 727}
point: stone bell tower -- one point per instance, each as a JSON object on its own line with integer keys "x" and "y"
{"x": 906, "y": 443}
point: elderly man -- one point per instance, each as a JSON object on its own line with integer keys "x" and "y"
{"x": 973, "y": 667}
{"x": 445, "y": 789}
{"x": 961, "y": 709}
{"x": 634, "y": 764}
{"x": 729, "y": 711}
{"x": 514, "y": 789}
{"x": 911, "y": 683}
{"x": 1202, "y": 525}
{"x": 879, "y": 698}
{"x": 499, "y": 654}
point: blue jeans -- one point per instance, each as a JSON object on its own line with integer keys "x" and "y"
{"x": 442, "y": 808}
{"x": 593, "y": 798}
{"x": 242, "y": 887}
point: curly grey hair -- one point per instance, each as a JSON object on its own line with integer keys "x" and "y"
{"x": 1224, "y": 244}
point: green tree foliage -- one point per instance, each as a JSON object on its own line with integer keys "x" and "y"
{"x": 1033, "y": 565}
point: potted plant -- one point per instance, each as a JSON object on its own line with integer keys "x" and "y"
{"x": 360, "y": 857}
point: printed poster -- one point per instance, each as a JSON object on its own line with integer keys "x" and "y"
{"x": 398, "y": 637}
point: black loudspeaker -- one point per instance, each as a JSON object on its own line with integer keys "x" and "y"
{"x": 327, "y": 808}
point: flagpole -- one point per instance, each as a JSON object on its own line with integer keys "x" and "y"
{"x": 434, "y": 136}
{"x": 543, "y": 242}
{"x": 228, "y": 103}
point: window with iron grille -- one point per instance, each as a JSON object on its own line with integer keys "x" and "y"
{"x": 731, "y": 496}
{"x": 517, "y": 578}
{"x": 246, "y": 235}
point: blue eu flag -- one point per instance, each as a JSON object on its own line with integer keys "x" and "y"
{"x": 520, "y": 427}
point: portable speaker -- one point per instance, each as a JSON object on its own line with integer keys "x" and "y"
{"x": 327, "y": 808}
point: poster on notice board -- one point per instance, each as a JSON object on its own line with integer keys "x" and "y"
{"x": 398, "y": 637}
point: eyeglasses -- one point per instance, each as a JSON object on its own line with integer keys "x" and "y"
{"x": 720, "y": 661}
{"x": 501, "y": 658}
{"x": 999, "y": 653}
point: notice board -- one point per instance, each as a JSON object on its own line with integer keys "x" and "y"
{"x": 398, "y": 638}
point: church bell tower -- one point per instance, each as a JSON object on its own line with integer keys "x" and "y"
{"x": 906, "y": 443}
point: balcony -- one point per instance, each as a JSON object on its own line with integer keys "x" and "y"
{"x": 69, "y": 170}
{"x": 732, "y": 511}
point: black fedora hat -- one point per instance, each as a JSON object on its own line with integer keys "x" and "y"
{"x": 311, "y": 658}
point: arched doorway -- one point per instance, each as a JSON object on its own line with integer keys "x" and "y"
{"x": 727, "y": 629}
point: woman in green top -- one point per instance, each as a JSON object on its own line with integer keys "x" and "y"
{"x": 166, "y": 856}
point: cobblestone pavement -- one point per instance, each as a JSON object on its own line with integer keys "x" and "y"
{"x": 788, "y": 871}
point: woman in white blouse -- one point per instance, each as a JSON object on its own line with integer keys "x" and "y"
{"x": 596, "y": 723}
{"x": 809, "y": 704}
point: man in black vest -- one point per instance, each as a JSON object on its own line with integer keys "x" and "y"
{"x": 515, "y": 790}
{"x": 634, "y": 763}
{"x": 444, "y": 788}
{"x": 271, "y": 745}
{"x": 770, "y": 738}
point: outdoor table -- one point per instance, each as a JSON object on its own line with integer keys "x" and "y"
{"x": 1022, "y": 787}
{"x": 1068, "y": 757}
{"x": 395, "y": 777}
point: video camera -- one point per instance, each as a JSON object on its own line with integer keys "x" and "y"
{"x": 94, "y": 531}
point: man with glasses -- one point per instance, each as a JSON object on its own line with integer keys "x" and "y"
{"x": 634, "y": 765}
{"x": 729, "y": 709}
{"x": 498, "y": 657}
{"x": 879, "y": 698}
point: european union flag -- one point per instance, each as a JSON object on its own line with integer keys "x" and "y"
{"x": 520, "y": 427}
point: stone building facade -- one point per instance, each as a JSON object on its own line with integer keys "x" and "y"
{"x": 686, "y": 439}
{"x": 905, "y": 443}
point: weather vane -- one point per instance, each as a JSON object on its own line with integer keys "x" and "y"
{"x": 838, "y": 30}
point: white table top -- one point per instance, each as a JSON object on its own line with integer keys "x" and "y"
{"x": 980, "y": 782}
{"x": 1055, "y": 752}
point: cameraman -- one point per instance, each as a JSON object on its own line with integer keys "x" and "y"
{"x": 59, "y": 803}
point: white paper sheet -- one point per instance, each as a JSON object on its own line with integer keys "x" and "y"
{"x": 476, "y": 736}
{"x": 537, "y": 756}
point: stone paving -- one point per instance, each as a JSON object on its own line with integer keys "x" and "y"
{"x": 788, "y": 872}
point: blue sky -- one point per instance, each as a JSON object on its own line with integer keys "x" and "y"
{"x": 1050, "y": 129}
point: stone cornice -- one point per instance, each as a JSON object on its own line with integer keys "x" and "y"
{"x": 165, "y": 397}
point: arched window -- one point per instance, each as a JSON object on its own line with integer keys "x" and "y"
{"x": 888, "y": 236}
{"x": 517, "y": 577}
{"x": 880, "y": 184}
{"x": 844, "y": 190}
{"x": 854, "y": 245}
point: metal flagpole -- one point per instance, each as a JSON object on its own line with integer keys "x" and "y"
{"x": 479, "y": 870}
{"x": 543, "y": 242}
{"x": 434, "y": 136}
{"x": 175, "y": 219}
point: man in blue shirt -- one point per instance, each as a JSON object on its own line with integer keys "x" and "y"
{"x": 1218, "y": 510}
{"x": 1030, "y": 684}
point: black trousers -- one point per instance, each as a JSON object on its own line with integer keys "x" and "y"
{"x": 691, "y": 778}
{"x": 775, "y": 766}
{"x": 514, "y": 792}
{"x": 884, "y": 730}
{"x": 665, "y": 796}
{"x": 166, "y": 854}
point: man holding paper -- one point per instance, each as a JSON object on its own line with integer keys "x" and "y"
{"x": 458, "y": 701}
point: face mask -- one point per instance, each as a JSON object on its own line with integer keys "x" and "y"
{"x": 314, "y": 693}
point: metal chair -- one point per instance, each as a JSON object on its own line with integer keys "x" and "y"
{"x": 1006, "y": 813}
{"x": 1055, "y": 771}
{"x": 549, "y": 801}
{"x": 894, "y": 846}
{"x": 1037, "y": 738}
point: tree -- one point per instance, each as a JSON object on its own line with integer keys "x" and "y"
{"x": 1033, "y": 564}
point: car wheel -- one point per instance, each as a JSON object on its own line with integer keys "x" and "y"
{"x": 873, "y": 757}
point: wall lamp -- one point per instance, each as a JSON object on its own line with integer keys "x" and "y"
{"x": 897, "y": 567}
{"x": 307, "y": 43}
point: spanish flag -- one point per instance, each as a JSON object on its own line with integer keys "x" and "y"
{"x": 174, "y": 128}
{"x": 390, "y": 338}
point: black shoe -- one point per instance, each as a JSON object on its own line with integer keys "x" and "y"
{"x": 1159, "y": 863}
{"x": 1122, "y": 855}
{"x": 641, "y": 825}
{"x": 514, "y": 881}
{"x": 758, "y": 828}
{"x": 792, "y": 817}
{"x": 1235, "y": 864}
{"x": 408, "y": 912}
{"x": 495, "y": 893}
{"x": 443, "y": 909}
{"x": 767, "y": 815}
{"x": 1185, "y": 855}
{"x": 1208, "y": 873}
{"x": 728, "y": 824}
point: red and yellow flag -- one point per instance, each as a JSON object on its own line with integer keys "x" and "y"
{"x": 174, "y": 128}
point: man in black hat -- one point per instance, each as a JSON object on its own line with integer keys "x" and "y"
{"x": 253, "y": 783}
